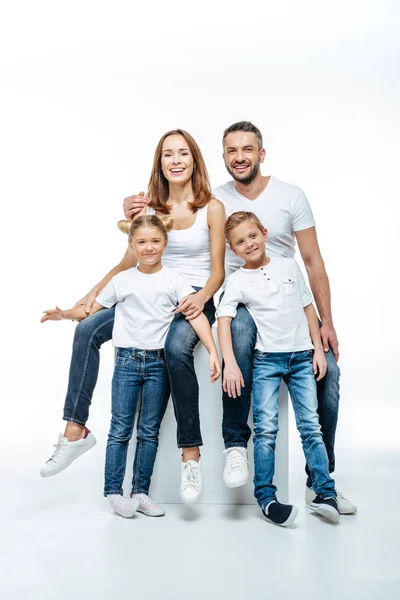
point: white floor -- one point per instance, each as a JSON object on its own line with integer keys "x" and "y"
{"x": 59, "y": 541}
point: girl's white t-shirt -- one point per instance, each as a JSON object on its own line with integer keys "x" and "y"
{"x": 144, "y": 306}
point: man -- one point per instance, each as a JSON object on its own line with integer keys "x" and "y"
{"x": 284, "y": 210}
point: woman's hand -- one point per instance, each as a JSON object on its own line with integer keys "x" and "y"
{"x": 53, "y": 314}
{"x": 233, "y": 379}
{"x": 215, "y": 366}
{"x": 191, "y": 306}
{"x": 87, "y": 301}
{"x": 320, "y": 365}
{"x": 134, "y": 204}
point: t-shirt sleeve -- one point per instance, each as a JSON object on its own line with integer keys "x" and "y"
{"x": 108, "y": 295}
{"x": 305, "y": 294}
{"x": 302, "y": 215}
{"x": 228, "y": 305}
{"x": 182, "y": 287}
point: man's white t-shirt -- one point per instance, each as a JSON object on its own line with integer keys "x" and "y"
{"x": 282, "y": 208}
{"x": 275, "y": 296}
{"x": 144, "y": 306}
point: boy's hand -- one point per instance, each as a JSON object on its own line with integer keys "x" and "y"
{"x": 233, "y": 380}
{"x": 319, "y": 364}
{"x": 54, "y": 314}
{"x": 215, "y": 366}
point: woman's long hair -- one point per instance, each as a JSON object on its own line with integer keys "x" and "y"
{"x": 158, "y": 189}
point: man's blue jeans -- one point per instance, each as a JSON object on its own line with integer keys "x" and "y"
{"x": 235, "y": 429}
{"x": 181, "y": 341}
{"x": 140, "y": 376}
{"x": 295, "y": 368}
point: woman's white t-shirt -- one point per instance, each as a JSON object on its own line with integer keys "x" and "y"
{"x": 188, "y": 250}
{"x": 144, "y": 306}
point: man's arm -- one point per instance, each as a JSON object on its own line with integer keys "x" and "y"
{"x": 128, "y": 261}
{"x": 319, "y": 282}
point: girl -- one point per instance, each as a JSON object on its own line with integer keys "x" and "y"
{"x": 178, "y": 186}
{"x": 146, "y": 297}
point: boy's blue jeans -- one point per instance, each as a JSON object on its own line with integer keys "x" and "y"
{"x": 140, "y": 376}
{"x": 235, "y": 429}
{"x": 295, "y": 368}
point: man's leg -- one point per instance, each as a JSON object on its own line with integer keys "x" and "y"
{"x": 235, "y": 430}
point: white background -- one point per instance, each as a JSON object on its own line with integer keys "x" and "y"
{"x": 87, "y": 89}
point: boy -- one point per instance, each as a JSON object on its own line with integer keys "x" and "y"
{"x": 274, "y": 292}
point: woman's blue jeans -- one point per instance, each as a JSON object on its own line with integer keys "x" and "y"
{"x": 140, "y": 377}
{"x": 235, "y": 429}
{"x": 295, "y": 368}
{"x": 181, "y": 340}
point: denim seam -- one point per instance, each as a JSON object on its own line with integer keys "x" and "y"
{"x": 138, "y": 445}
{"x": 306, "y": 443}
{"x": 86, "y": 363}
{"x": 71, "y": 420}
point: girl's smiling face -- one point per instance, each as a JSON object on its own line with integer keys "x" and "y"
{"x": 149, "y": 244}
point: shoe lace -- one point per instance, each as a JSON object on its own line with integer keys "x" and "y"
{"x": 190, "y": 476}
{"x": 146, "y": 500}
{"x": 59, "y": 449}
{"x": 235, "y": 460}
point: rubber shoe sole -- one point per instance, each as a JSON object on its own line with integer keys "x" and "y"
{"x": 326, "y": 511}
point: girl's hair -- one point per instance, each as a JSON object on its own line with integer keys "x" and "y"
{"x": 239, "y": 217}
{"x": 158, "y": 189}
{"x": 164, "y": 224}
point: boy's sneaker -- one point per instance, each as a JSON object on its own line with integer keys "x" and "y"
{"x": 148, "y": 507}
{"x": 280, "y": 514}
{"x": 236, "y": 471}
{"x": 345, "y": 506}
{"x": 326, "y": 507}
{"x": 126, "y": 507}
{"x": 191, "y": 481}
{"x": 66, "y": 452}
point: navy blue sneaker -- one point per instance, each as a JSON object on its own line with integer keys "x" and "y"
{"x": 280, "y": 514}
{"x": 326, "y": 507}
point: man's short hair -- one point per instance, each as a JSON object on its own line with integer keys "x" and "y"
{"x": 244, "y": 126}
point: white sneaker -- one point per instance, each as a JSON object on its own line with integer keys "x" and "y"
{"x": 345, "y": 506}
{"x": 236, "y": 471}
{"x": 148, "y": 507}
{"x": 191, "y": 481}
{"x": 126, "y": 507}
{"x": 65, "y": 453}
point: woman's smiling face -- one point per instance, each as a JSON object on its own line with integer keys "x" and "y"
{"x": 176, "y": 160}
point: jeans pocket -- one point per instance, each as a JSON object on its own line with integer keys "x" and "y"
{"x": 122, "y": 356}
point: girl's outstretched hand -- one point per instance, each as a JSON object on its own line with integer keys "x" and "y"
{"x": 54, "y": 314}
{"x": 215, "y": 366}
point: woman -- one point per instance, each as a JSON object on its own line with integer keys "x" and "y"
{"x": 178, "y": 186}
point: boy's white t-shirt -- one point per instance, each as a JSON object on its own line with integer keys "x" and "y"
{"x": 144, "y": 306}
{"x": 275, "y": 295}
{"x": 282, "y": 208}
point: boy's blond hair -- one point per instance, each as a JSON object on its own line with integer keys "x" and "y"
{"x": 240, "y": 217}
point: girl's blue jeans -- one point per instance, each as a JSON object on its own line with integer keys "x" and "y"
{"x": 140, "y": 384}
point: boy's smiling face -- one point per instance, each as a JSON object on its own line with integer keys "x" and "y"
{"x": 248, "y": 241}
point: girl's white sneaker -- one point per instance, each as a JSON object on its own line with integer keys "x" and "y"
{"x": 148, "y": 507}
{"x": 191, "y": 481}
{"x": 126, "y": 507}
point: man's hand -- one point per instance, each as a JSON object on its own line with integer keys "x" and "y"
{"x": 329, "y": 338}
{"x": 87, "y": 301}
{"x": 233, "y": 380}
{"x": 53, "y": 314}
{"x": 319, "y": 364}
{"x": 191, "y": 306}
{"x": 215, "y": 366}
{"x": 134, "y": 204}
